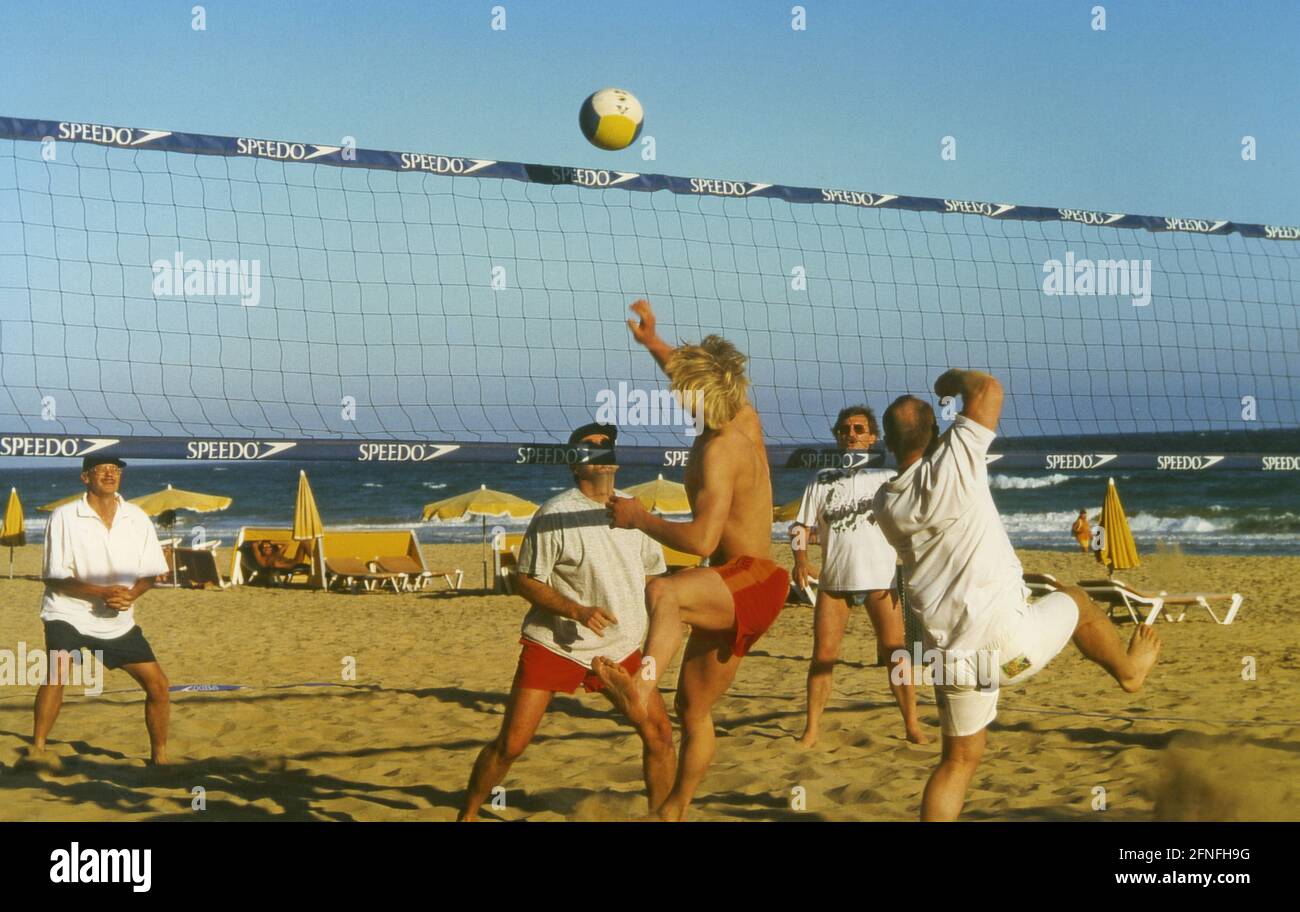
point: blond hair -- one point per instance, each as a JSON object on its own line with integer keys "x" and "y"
{"x": 712, "y": 374}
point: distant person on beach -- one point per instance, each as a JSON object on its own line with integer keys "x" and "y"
{"x": 586, "y": 584}
{"x": 733, "y": 601}
{"x": 1082, "y": 531}
{"x": 965, "y": 583}
{"x": 101, "y": 555}
{"x": 858, "y": 569}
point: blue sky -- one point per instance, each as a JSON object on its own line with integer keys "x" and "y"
{"x": 1146, "y": 117}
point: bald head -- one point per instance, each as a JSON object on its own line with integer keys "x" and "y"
{"x": 910, "y": 427}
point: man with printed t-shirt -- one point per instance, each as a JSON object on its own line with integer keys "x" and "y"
{"x": 586, "y": 584}
{"x": 965, "y": 584}
{"x": 101, "y": 555}
{"x": 858, "y": 570}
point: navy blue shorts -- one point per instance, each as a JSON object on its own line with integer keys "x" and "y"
{"x": 131, "y": 648}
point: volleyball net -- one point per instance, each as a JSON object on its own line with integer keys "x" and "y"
{"x": 190, "y": 296}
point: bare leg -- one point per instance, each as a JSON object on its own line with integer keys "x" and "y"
{"x": 705, "y": 677}
{"x": 1099, "y": 641}
{"x": 524, "y": 711}
{"x": 49, "y": 700}
{"x": 830, "y": 615}
{"x": 157, "y": 706}
{"x": 697, "y": 597}
{"x": 658, "y": 757}
{"x": 886, "y": 614}
{"x": 945, "y": 793}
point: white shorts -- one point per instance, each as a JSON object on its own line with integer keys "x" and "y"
{"x": 1019, "y": 644}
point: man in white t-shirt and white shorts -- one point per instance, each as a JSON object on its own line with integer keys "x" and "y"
{"x": 965, "y": 583}
{"x": 858, "y": 569}
{"x": 586, "y": 584}
{"x": 101, "y": 555}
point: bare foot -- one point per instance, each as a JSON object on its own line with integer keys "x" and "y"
{"x": 917, "y": 736}
{"x": 807, "y": 739}
{"x": 623, "y": 689}
{"x": 37, "y": 760}
{"x": 1143, "y": 650}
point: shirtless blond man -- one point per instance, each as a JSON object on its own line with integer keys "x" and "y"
{"x": 728, "y": 604}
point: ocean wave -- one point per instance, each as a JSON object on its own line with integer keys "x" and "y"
{"x": 435, "y": 485}
{"x": 371, "y": 484}
{"x": 1011, "y": 482}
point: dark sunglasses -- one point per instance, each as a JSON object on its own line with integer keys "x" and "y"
{"x": 855, "y": 428}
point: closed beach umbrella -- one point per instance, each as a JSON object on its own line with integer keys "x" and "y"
{"x": 663, "y": 497}
{"x": 164, "y": 504}
{"x": 307, "y": 525}
{"x": 787, "y": 512}
{"x": 1118, "y": 550}
{"x": 13, "y": 533}
{"x": 483, "y": 502}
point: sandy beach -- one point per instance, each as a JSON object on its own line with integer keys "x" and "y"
{"x": 432, "y": 671}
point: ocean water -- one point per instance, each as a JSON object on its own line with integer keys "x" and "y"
{"x": 1225, "y": 512}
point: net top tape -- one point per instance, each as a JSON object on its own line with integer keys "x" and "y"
{"x": 135, "y": 138}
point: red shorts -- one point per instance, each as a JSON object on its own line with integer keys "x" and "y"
{"x": 758, "y": 589}
{"x": 541, "y": 669}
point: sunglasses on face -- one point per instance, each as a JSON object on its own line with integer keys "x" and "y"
{"x": 852, "y": 428}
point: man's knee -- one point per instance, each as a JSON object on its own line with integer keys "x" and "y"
{"x": 963, "y": 752}
{"x": 1087, "y": 608}
{"x": 689, "y": 708}
{"x": 509, "y": 748}
{"x": 822, "y": 664}
{"x": 657, "y": 591}
{"x": 158, "y": 687}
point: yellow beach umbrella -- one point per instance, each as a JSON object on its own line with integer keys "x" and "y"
{"x": 164, "y": 504}
{"x": 173, "y": 499}
{"x": 13, "y": 533}
{"x": 49, "y": 507}
{"x": 1118, "y": 550}
{"x": 787, "y": 512}
{"x": 663, "y": 497}
{"x": 483, "y": 502}
{"x": 307, "y": 525}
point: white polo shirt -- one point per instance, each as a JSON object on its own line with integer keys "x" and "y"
{"x": 79, "y": 546}
{"x": 961, "y": 569}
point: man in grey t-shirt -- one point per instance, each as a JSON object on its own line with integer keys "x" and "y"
{"x": 586, "y": 584}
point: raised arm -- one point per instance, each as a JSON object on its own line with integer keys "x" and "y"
{"x": 644, "y": 332}
{"x": 542, "y": 596}
{"x": 981, "y": 394}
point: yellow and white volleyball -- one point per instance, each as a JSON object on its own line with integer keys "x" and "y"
{"x": 611, "y": 119}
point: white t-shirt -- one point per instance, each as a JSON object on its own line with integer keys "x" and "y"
{"x": 855, "y": 555}
{"x": 79, "y": 546}
{"x": 570, "y": 547}
{"x": 939, "y": 514}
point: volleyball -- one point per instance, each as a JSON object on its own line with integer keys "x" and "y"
{"x": 611, "y": 119}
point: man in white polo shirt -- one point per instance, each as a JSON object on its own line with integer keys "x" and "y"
{"x": 858, "y": 569}
{"x": 101, "y": 554}
{"x": 586, "y": 584}
{"x": 965, "y": 583}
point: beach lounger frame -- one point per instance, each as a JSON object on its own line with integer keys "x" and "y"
{"x": 1115, "y": 593}
{"x": 415, "y": 576}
